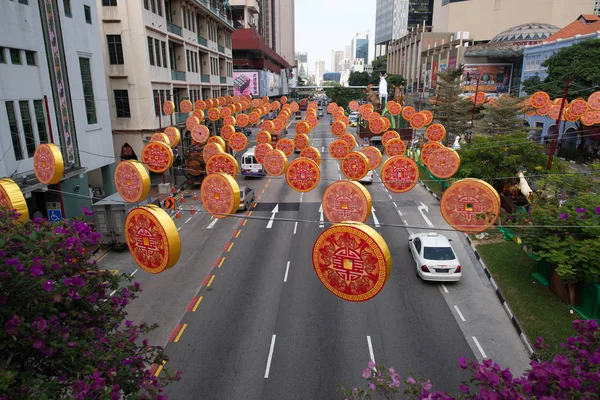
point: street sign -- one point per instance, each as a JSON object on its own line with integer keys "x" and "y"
{"x": 175, "y": 152}
{"x": 170, "y": 203}
{"x": 54, "y": 215}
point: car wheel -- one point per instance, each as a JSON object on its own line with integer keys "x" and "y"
{"x": 417, "y": 274}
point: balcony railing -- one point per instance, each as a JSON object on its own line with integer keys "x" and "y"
{"x": 202, "y": 41}
{"x": 180, "y": 117}
{"x": 204, "y": 78}
{"x": 178, "y": 75}
{"x": 204, "y": 2}
{"x": 223, "y": 80}
{"x": 174, "y": 29}
{"x": 221, "y": 49}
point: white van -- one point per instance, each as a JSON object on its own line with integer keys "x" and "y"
{"x": 251, "y": 167}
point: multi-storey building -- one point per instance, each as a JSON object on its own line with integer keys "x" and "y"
{"x": 302, "y": 65}
{"x": 54, "y": 91}
{"x": 395, "y": 18}
{"x": 158, "y": 50}
{"x": 277, "y": 26}
{"x": 319, "y": 71}
{"x": 246, "y": 13}
{"x": 336, "y": 57}
{"x": 360, "y": 47}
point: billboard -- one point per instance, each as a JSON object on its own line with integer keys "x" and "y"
{"x": 494, "y": 79}
{"x": 273, "y": 84}
{"x": 246, "y": 82}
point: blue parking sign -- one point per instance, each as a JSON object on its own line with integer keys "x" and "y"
{"x": 55, "y": 215}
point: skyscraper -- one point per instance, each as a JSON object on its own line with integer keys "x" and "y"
{"x": 276, "y": 25}
{"x": 302, "y": 65}
{"x": 419, "y": 12}
{"x": 360, "y": 47}
{"x": 395, "y": 18}
{"x": 319, "y": 71}
{"x": 336, "y": 57}
{"x": 348, "y": 52}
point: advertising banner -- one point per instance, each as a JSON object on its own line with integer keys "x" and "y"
{"x": 273, "y": 84}
{"x": 434, "y": 71}
{"x": 494, "y": 79}
{"x": 245, "y": 82}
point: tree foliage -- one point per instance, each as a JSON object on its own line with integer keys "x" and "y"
{"x": 449, "y": 108}
{"x": 359, "y": 78}
{"x": 578, "y": 61}
{"x": 63, "y": 335}
{"x": 342, "y": 96}
{"x": 501, "y": 116}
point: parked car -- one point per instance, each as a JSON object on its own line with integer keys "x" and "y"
{"x": 368, "y": 178}
{"x": 298, "y": 115}
{"x": 435, "y": 259}
{"x": 320, "y": 114}
{"x": 246, "y": 197}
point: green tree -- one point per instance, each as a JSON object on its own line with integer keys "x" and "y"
{"x": 342, "y": 96}
{"x": 359, "y": 79}
{"x": 501, "y": 116}
{"x": 578, "y": 61}
{"x": 448, "y": 107}
{"x": 63, "y": 336}
{"x": 379, "y": 64}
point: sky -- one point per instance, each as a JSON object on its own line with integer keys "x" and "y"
{"x": 326, "y": 25}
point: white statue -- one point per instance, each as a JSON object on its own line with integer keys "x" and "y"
{"x": 383, "y": 89}
{"x": 456, "y": 145}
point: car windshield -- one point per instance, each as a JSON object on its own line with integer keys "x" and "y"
{"x": 438, "y": 253}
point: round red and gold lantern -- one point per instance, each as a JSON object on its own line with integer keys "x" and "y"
{"x": 278, "y": 124}
{"x": 261, "y": 151}
{"x": 284, "y": 99}
{"x": 275, "y": 162}
{"x": 191, "y": 122}
{"x": 347, "y": 201}
{"x": 219, "y": 140}
{"x": 589, "y": 118}
{"x": 338, "y": 128}
{"x": 48, "y": 164}
{"x": 160, "y": 137}
{"x": 209, "y": 104}
{"x": 386, "y": 124}
{"x": 418, "y": 120}
{"x": 200, "y": 133}
{"x": 338, "y": 149}
{"x": 200, "y": 105}
{"x": 228, "y": 99}
{"x": 352, "y": 261}
{"x": 470, "y": 205}
{"x": 594, "y": 101}
{"x": 312, "y": 120}
{"x": 186, "y": 106}
{"x": 554, "y": 112}
{"x": 222, "y": 162}
{"x": 157, "y": 156}
{"x": 254, "y": 117}
{"x": 303, "y": 174}
{"x": 301, "y": 141}
{"x": 230, "y": 120}
{"x": 374, "y": 156}
{"x": 295, "y": 106}
{"x": 367, "y": 113}
{"x": 312, "y": 153}
{"x": 242, "y": 120}
{"x": 303, "y": 127}
{"x": 220, "y": 195}
{"x": 399, "y": 174}
{"x": 353, "y": 105}
{"x": 331, "y": 107}
{"x": 428, "y": 149}
{"x": 263, "y": 137}
{"x": 268, "y": 125}
{"x": 349, "y": 139}
{"x": 407, "y": 112}
{"x": 395, "y": 147}
{"x": 479, "y": 97}
{"x": 539, "y": 99}
{"x": 227, "y": 131}
{"x": 435, "y": 132}
{"x": 11, "y": 197}
{"x": 578, "y": 107}
{"x": 211, "y": 149}
{"x": 168, "y": 107}
{"x": 355, "y": 165}
{"x": 570, "y": 116}
{"x": 544, "y": 110}
{"x": 174, "y": 136}
{"x": 222, "y": 101}
{"x": 428, "y": 116}
{"x": 198, "y": 114}
{"x": 132, "y": 181}
{"x": 152, "y": 238}
{"x": 443, "y": 163}
{"x": 394, "y": 108}
{"x": 389, "y": 135}
{"x": 238, "y": 141}
{"x": 286, "y": 146}
{"x": 376, "y": 125}
{"x": 255, "y": 103}
{"x": 213, "y": 114}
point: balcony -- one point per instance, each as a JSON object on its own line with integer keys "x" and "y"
{"x": 205, "y": 78}
{"x": 177, "y": 75}
{"x": 202, "y": 41}
{"x": 204, "y": 2}
{"x": 174, "y": 29}
{"x": 223, "y": 80}
{"x": 221, "y": 49}
{"x": 181, "y": 117}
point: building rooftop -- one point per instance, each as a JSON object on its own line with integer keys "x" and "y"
{"x": 585, "y": 24}
{"x": 533, "y": 31}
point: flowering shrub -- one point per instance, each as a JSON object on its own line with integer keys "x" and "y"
{"x": 61, "y": 334}
{"x": 572, "y": 375}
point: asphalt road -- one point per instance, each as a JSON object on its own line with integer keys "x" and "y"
{"x": 245, "y": 316}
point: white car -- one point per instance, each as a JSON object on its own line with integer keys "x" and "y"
{"x": 368, "y": 178}
{"x": 435, "y": 259}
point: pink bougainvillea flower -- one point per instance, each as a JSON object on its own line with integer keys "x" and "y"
{"x": 563, "y": 216}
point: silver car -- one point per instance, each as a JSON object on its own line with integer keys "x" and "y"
{"x": 246, "y": 197}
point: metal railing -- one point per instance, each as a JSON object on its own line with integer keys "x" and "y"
{"x": 204, "y": 78}
{"x": 178, "y": 75}
{"x": 202, "y": 41}
{"x": 223, "y": 80}
{"x": 171, "y": 27}
{"x": 221, "y": 49}
{"x": 181, "y": 117}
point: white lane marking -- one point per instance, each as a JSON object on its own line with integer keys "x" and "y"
{"x": 340, "y": 175}
{"x": 445, "y": 289}
{"x": 390, "y": 196}
{"x": 270, "y": 358}
{"x": 287, "y": 269}
{"x": 370, "y": 348}
{"x": 322, "y": 149}
{"x": 422, "y": 209}
{"x": 179, "y": 228}
{"x": 112, "y": 293}
{"x": 405, "y": 223}
{"x": 396, "y": 206}
{"x": 479, "y": 347}
{"x": 295, "y": 227}
{"x": 338, "y": 166}
{"x": 301, "y": 197}
{"x": 275, "y": 211}
{"x": 321, "y": 219}
{"x": 213, "y": 223}
{"x": 460, "y": 314}
{"x": 133, "y": 273}
{"x": 377, "y": 225}
{"x": 187, "y": 220}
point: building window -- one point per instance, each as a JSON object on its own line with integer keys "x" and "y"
{"x": 88, "y": 14}
{"x": 67, "y": 7}
{"x": 159, "y": 7}
{"x": 14, "y": 130}
{"x": 153, "y": 6}
{"x": 23, "y": 2}
{"x": 122, "y": 104}
{"x": 187, "y": 58}
{"x": 146, "y": 5}
{"x": 157, "y": 48}
{"x": 183, "y": 10}
{"x": 115, "y": 49}
{"x": 150, "y": 51}
{"x": 109, "y": 3}
{"x": 27, "y": 127}
{"x": 163, "y": 46}
{"x": 88, "y": 90}
{"x": 162, "y": 100}
{"x": 2, "y": 56}
{"x": 40, "y": 119}
{"x": 155, "y": 94}
{"x": 30, "y": 57}
{"x": 15, "y": 56}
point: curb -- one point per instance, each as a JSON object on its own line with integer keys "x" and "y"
{"x": 511, "y": 316}
{"x": 509, "y": 312}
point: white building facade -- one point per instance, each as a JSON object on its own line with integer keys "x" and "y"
{"x": 53, "y": 90}
{"x": 156, "y": 51}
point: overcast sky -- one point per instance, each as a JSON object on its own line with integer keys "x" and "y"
{"x": 326, "y": 25}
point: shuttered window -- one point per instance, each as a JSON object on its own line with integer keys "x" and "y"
{"x": 88, "y": 90}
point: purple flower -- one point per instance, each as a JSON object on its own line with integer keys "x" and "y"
{"x": 366, "y": 373}
{"x": 580, "y": 210}
{"x": 563, "y": 216}
{"x": 427, "y": 385}
{"x": 371, "y": 364}
{"x": 71, "y": 344}
{"x": 464, "y": 388}
{"x": 73, "y": 294}
{"x": 38, "y": 344}
{"x": 462, "y": 362}
{"x": 597, "y": 210}
{"x": 371, "y": 386}
{"x": 36, "y": 270}
{"x": 77, "y": 281}
{"x": 40, "y": 325}
{"x": 411, "y": 380}
{"x": 87, "y": 211}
